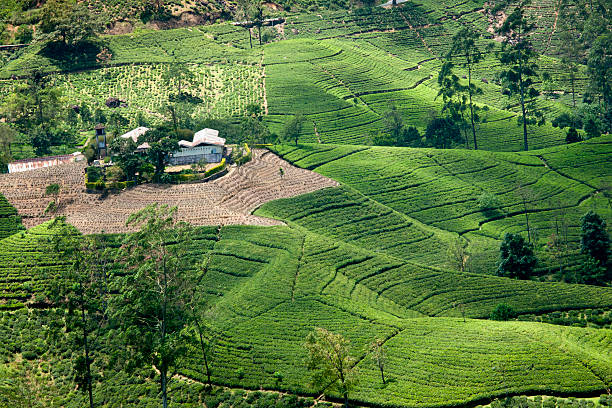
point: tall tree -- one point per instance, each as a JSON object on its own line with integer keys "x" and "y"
{"x": 161, "y": 145}
{"x": 36, "y": 108}
{"x": 330, "y": 362}
{"x": 179, "y": 74}
{"x": 379, "y": 356}
{"x": 153, "y": 308}
{"x": 82, "y": 290}
{"x": 7, "y": 136}
{"x": 594, "y": 238}
{"x": 519, "y": 65}
{"x": 458, "y": 98}
{"x": 67, "y": 22}
{"x": 600, "y": 75}
{"x": 293, "y": 128}
{"x": 516, "y": 258}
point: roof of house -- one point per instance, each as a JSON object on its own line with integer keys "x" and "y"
{"x": 135, "y": 133}
{"x": 204, "y": 136}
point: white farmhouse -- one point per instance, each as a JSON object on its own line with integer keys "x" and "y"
{"x": 206, "y": 145}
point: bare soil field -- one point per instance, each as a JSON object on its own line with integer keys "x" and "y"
{"x": 228, "y": 200}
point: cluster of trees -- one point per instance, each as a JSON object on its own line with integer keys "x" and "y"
{"x": 62, "y": 22}
{"x": 156, "y": 312}
{"x": 518, "y": 260}
{"x": 586, "y": 41}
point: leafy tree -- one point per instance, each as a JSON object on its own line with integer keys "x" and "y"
{"x": 161, "y": 145}
{"x": 7, "y": 136}
{"x": 441, "y": 133}
{"x": 330, "y": 362}
{"x": 572, "y": 136}
{"x": 458, "y": 97}
{"x": 378, "y": 354}
{"x": 502, "y": 312}
{"x": 117, "y": 123}
{"x": 36, "y": 107}
{"x": 53, "y": 190}
{"x": 178, "y": 73}
{"x": 82, "y": 290}
{"x": 519, "y": 67}
{"x": 600, "y": 74}
{"x": 592, "y": 272}
{"x": 293, "y": 128}
{"x": 67, "y": 22}
{"x": 397, "y": 133}
{"x": 516, "y": 257}
{"x": 594, "y": 238}
{"x": 152, "y": 308}
{"x": 99, "y": 116}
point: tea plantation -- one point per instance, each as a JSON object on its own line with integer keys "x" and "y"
{"x": 269, "y": 286}
{"x": 400, "y": 258}
{"x": 437, "y": 193}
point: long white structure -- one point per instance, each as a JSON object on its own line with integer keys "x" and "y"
{"x": 206, "y": 145}
{"x": 40, "y": 162}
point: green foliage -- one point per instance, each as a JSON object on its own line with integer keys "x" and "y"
{"x": 152, "y": 306}
{"x": 594, "y": 238}
{"x": 520, "y": 68}
{"x": 330, "y": 362}
{"x": 502, "y": 312}
{"x": 67, "y": 22}
{"x": 516, "y": 258}
{"x": 293, "y": 128}
{"x": 442, "y": 133}
{"x": 572, "y": 136}
{"x": 488, "y": 201}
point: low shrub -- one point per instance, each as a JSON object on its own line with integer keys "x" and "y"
{"x": 502, "y": 312}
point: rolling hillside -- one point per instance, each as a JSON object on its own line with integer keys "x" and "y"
{"x": 267, "y": 287}
{"x": 437, "y": 192}
{"x": 349, "y": 68}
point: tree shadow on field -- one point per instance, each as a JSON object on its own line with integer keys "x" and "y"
{"x": 72, "y": 58}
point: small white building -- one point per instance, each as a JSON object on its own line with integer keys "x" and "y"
{"x": 206, "y": 145}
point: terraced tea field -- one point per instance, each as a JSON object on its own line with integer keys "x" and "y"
{"x": 438, "y": 191}
{"x": 269, "y": 286}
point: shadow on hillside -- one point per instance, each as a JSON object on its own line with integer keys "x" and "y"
{"x": 67, "y": 58}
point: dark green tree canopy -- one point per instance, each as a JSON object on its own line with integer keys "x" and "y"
{"x": 516, "y": 257}
{"x": 594, "y": 238}
{"x": 67, "y": 22}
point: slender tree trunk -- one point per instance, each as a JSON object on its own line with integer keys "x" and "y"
{"x": 471, "y": 105}
{"x": 572, "y": 78}
{"x": 382, "y": 374}
{"x": 164, "y": 368}
{"x": 527, "y": 220}
{"x": 86, "y": 347}
{"x": 204, "y": 353}
{"x": 259, "y": 31}
{"x": 164, "y": 386}
{"x": 250, "y": 39}
{"x": 525, "y": 144}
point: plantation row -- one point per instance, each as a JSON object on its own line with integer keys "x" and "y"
{"x": 266, "y": 288}
{"x": 10, "y": 221}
